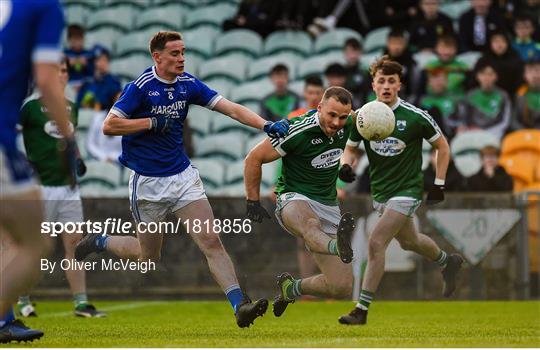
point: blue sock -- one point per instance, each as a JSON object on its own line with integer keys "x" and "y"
{"x": 9, "y": 317}
{"x": 235, "y": 296}
{"x": 101, "y": 242}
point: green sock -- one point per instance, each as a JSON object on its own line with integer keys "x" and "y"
{"x": 80, "y": 298}
{"x": 293, "y": 289}
{"x": 332, "y": 247}
{"x": 365, "y": 299}
{"x": 442, "y": 259}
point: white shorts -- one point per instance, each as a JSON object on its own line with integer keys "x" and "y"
{"x": 152, "y": 198}
{"x": 404, "y": 205}
{"x": 15, "y": 175}
{"x": 62, "y": 204}
{"x": 329, "y": 215}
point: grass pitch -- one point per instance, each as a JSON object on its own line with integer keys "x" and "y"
{"x": 304, "y": 324}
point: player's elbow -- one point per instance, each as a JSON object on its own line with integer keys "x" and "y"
{"x": 252, "y": 159}
{"x": 108, "y": 127}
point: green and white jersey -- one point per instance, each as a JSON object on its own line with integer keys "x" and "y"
{"x": 395, "y": 163}
{"x": 311, "y": 159}
{"x": 41, "y": 136}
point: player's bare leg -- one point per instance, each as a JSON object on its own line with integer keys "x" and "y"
{"x": 76, "y": 278}
{"x": 219, "y": 262}
{"x": 335, "y": 281}
{"x": 28, "y": 247}
{"x": 125, "y": 247}
{"x": 409, "y": 239}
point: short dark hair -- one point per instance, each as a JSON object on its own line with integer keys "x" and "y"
{"x": 335, "y": 70}
{"x": 75, "y": 30}
{"x": 353, "y": 43}
{"x": 447, "y": 39}
{"x": 397, "y": 33}
{"x": 279, "y": 68}
{"x": 342, "y": 95}
{"x": 484, "y": 63}
{"x": 313, "y": 80}
{"x": 160, "y": 39}
{"x": 523, "y": 17}
{"x": 387, "y": 66}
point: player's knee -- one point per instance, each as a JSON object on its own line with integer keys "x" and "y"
{"x": 211, "y": 244}
{"x": 376, "y": 247}
{"x": 341, "y": 289}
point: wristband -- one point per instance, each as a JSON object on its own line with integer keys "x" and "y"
{"x": 150, "y": 126}
{"x": 439, "y": 182}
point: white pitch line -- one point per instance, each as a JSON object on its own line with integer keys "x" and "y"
{"x": 110, "y": 308}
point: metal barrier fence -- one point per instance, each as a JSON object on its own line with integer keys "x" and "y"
{"x": 497, "y": 233}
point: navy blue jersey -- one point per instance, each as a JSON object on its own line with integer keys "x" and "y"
{"x": 153, "y": 154}
{"x": 30, "y": 32}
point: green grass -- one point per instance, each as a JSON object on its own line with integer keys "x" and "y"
{"x": 304, "y": 324}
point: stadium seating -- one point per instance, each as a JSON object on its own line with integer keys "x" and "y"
{"x": 252, "y": 91}
{"x": 422, "y": 58}
{"x": 367, "y": 59}
{"x": 232, "y": 67}
{"x": 212, "y": 172}
{"x": 222, "y": 123}
{"x": 210, "y": 15}
{"x": 200, "y": 120}
{"x": 426, "y": 152}
{"x": 105, "y": 36}
{"x": 135, "y": 42}
{"x": 104, "y": 173}
{"x": 225, "y": 146}
{"x": 376, "y": 39}
{"x": 90, "y": 4}
{"x": 235, "y": 172}
{"x": 86, "y": 116}
{"x": 317, "y": 64}
{"x": 200, "y": 40}
{"x": 268, "y": 178}
{"x": 521, "y": 170}
{"x": 261, "y": 67}
{"x": 81, "y": 142}
{"x": 138, "y": 4}
{"x": 77, "y": 14}
{"x": 239, "y": 40}
{"x": 288, "y": 41}
{"x": 520, "y": 156}
{"x": 520, "y": 141}
{"x": 120, "y": 17}
{"x": 469, "y": 58}
{"x": 335, "y": 39}
{"x": 167, "y": 17}
{"x": 456, "y": 8}
{"x": 221, "y": 85}
{"x": 465, "y": 149}
{"x": 131, "y": 67}
{"x": 297, "y": 87}
{"x": 254, "y": 140}
{"x": 192, "y": 63}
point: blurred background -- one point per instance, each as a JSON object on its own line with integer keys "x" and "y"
{"x": 474, "y": 65}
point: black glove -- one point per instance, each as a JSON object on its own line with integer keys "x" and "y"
{"x": 277, "y": 129}
{"x": 69, "y": 153}
{"x": 346, "y": 173}
{"x": 255, "y": 211}
{"x": 435, "y": 195}
{"x": 161, "y": 124}
{"x": 81, "y": 167}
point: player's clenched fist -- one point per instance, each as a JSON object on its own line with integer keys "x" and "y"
{"x": 276, "y": 129}
{"x": 161, "y": 125}
{"x": 346, "y": 173}
{"x": 256, "y": 212}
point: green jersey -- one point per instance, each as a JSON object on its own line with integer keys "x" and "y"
{"x": 41, "y": 136}
{"x": 311, "y": 159}
{"x": 395, "y": 163}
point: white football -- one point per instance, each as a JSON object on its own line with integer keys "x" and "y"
{"x": 375, "y": 121}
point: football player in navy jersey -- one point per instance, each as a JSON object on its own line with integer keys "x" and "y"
{"x": 30, "y": 33}
{"x": 149, "y": 116}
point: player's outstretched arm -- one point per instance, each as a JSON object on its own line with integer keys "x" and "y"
{"x": 260, "y": 154}
{"x": 114, "y": 125}
{"x": 248, "y": 117}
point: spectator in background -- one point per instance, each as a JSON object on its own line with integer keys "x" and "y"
{"x": 454, "y": 182}
{"x": 335, "y": 75}
{"x": 358, "y": 80}
{"x": 103, "y": 89}
{"x": 397, "y": 50}
{"x": 446, "y": 50}
{"x": 476, "y": 24}
{"x": 527, "y": 48}
{"x": 80, "y": 59}
{"x": 313, "y": 92}
{"x": 428, "y": 25}
{"x": 282, "y": 101}
{"x": 439, "y": 101}
{"x": 527, "y": 104}
{"x": 492, "y": 177}
{"x": 487, "y": 107}
{"x": 257, "y": 15}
